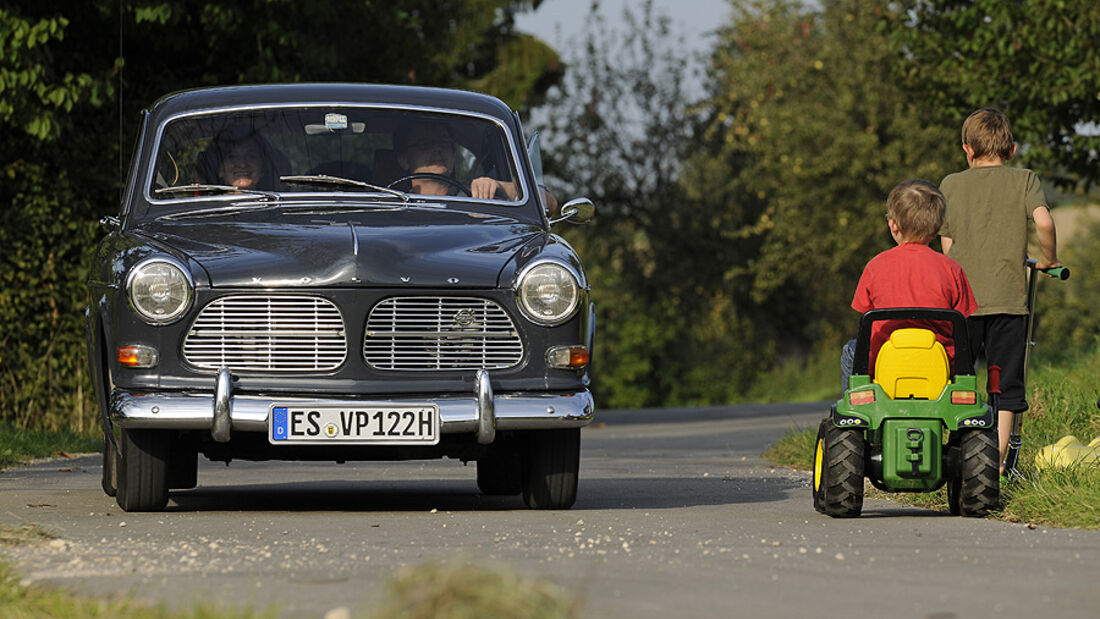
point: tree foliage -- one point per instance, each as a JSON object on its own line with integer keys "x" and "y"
{"x": 1036, "y": 60}
{"x": 68, "y": 81}
{"x": 812, "y": 133}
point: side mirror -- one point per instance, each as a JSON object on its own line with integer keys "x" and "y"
{"x": 110, "y": 223}
{"x": 576, "y": 211}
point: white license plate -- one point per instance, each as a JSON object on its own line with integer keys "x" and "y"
{"x": 414, "y": 424}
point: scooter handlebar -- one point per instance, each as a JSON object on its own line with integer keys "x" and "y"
{"x": 1061, "y": 273}
{"x": 1058, "y": 272}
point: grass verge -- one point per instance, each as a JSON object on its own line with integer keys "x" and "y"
{"x": 17, "y": 445}
{"x": 1063, "y": 398}
{"x": 470, "y": 592}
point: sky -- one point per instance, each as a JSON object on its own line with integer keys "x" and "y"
{"x": 556, "y": 21}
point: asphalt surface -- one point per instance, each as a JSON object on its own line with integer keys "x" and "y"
{"x": 677, "y": 515}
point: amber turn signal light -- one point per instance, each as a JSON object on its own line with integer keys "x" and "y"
{"x": 861, "y": 397}
{"x": 567, "y": 357}
{"x": 138, "y": 356}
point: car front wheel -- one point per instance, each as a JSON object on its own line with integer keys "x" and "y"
{"x": 143, "y": 470}
{"x": 551, "y": 463}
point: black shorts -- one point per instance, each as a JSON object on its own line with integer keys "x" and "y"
{"x": 1001, "y": 340}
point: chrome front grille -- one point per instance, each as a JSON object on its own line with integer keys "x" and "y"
{"x": 440, "y": 333}
{"x": 267, "y": 334}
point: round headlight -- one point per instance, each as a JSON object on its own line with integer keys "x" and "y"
{"x": 548, "y": 294}
{"x": 160, "y": 291}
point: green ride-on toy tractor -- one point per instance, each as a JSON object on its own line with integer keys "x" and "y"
{"x": 910, "y": 426}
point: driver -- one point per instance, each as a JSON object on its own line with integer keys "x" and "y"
{"x": 427, "y": 148}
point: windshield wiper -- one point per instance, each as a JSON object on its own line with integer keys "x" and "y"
{"x": 217, "y": 188}
{"x": 325, "y": 179}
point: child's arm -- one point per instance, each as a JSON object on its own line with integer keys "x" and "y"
{"x": 945, "y": 242}
{"x": 1048, "y": 238}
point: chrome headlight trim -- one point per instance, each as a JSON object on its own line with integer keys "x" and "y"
{"x": 531, "y": 313}
{"x": 141, "y": 309}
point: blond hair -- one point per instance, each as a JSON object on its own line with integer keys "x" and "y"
{"x": 918, "y": 208}
{"x": 988, "y": 133}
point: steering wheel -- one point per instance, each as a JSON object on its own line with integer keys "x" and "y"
{"x": 439, "y": 178}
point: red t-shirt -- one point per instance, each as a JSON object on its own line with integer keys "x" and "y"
{"x": 913, "y": 275}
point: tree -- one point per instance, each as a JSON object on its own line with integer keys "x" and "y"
{"x": 672, "y": 328}
{"x": 812, "y": 133}
{"x": 1036, "y": 60}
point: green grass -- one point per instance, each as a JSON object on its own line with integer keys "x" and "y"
{"x": 31, "y": 602}
{"x": 810, "y": 379}
{"x": 1062, "y": 394}
{"x": 17, "y": 445}
{"x": 24, "y": 534}
{"x": 470, "y": 592}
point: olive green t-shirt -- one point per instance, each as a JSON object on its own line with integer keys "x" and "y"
{"x": 987, "y": 213}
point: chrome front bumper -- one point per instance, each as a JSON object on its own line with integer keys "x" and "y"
{"x": 482, "y": 412}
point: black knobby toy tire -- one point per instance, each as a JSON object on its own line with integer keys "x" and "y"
{"x": 143, "y": 470}
{"x": 841, "y": 485}
{"x": 499, "y": 474}
{"x": 110, "y": 467}
{"x": 551, "y": 464}
{"x": 979, "y": 481}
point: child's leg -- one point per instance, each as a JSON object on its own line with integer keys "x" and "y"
{"x": 1005, "y": 345}
{"x": 1004, "y": 431}
{"x": 847, "y": 360}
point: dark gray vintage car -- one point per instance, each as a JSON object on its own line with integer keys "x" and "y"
{"x": 338, "y": 272}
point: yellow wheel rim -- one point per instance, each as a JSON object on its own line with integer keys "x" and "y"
{"x": 819, "y": 456}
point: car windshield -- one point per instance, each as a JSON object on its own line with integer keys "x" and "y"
{"x": 389, "y": 153}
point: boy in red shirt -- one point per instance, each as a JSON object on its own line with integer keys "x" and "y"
{"x": 911, "y": 274}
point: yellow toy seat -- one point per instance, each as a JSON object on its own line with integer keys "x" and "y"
{"x": 912, "y": 364}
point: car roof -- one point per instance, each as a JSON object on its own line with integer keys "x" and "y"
{"x": 328, "y": 93}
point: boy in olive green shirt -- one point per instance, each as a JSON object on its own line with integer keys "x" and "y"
{"x": 985, "y": 230}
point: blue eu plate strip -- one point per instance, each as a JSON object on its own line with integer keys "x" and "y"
{"x": 278, "y": 423}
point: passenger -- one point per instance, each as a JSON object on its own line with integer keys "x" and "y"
{"x": 239, "y": 158}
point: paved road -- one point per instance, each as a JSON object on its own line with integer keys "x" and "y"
{"x": 677, "y": 516}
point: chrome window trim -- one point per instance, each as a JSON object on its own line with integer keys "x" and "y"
{"x": 133, "y": 176}
{"x": 151, "y": 167}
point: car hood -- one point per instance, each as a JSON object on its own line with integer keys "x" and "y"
{"x": 386, "y": 249}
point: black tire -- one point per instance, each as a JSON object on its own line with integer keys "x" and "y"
{"x": 978, "y": 483}
{"x": 551, "y": 462}
{"x": 143, "y": 470}
{"x": 500, "y": 474}
{"x": 839, "y": 489}
{"x": 110, "y": 467}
